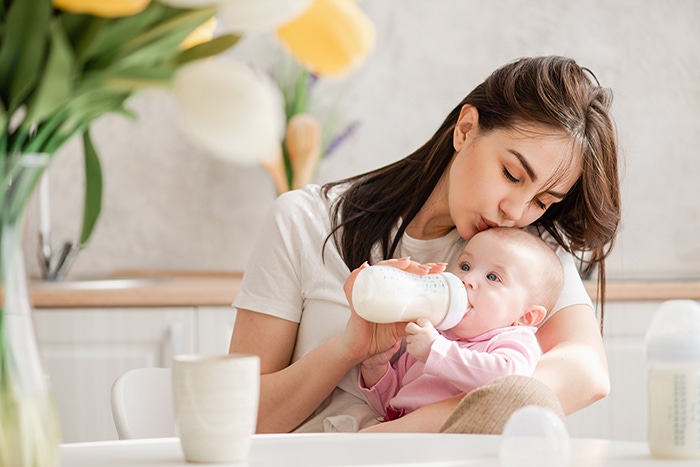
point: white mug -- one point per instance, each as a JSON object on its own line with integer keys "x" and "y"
{"x": 216, "y": 405}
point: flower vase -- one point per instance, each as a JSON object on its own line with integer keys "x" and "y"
{"x": 29, "y": 428}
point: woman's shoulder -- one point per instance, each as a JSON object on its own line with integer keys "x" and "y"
{"x": 308, "y": 197}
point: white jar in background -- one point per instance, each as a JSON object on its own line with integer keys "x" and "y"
{"x": 673, "y": 380}
{"x": 384, "y": 294}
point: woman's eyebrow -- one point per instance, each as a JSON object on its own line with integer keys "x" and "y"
{"x": 526, "y": 165}
{"x": 531, "y": 173}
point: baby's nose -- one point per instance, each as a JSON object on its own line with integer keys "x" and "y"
{"x": 469, "y": 281}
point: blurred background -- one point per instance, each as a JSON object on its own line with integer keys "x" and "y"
{"x": 168, "y": 204}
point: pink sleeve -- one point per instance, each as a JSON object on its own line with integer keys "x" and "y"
{"x": 379, "y": 395}
{"x": 514, "y": 351}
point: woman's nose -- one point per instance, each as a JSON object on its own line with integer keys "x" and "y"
{"x": 514, "y": 208}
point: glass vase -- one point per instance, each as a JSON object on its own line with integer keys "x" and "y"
{"x": 29, "y": 428}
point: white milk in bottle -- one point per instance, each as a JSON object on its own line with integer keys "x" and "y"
{"x": 673, "y": 380}
{"x": 384, "y": 294}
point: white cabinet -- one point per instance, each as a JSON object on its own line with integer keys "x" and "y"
{"x": 86, "y": 349}
{"x": 215, "y": 328}
{"x": 623, "y": 414}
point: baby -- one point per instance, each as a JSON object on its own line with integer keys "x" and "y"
{"x": 512, "y": 278}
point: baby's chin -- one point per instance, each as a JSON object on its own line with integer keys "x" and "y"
{"x": 462, "y": 331}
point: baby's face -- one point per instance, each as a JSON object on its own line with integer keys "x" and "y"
{"x": 495, "y": 274}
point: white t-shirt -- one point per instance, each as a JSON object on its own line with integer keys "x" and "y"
{"x": 291, "y": 276}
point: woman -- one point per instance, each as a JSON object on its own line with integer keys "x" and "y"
{"x": 532, "y": 146}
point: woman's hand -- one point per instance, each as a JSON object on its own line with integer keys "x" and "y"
{"x": 376, "y": 366}
{"x": 363, "y": 339}
{"x": 405, "y": 264}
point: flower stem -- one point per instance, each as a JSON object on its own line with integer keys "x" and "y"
{"x": 46, "y": 130}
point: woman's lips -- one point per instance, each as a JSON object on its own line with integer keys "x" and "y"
{"x": 483, "y": 224}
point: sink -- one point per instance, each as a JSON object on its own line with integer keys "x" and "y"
{"x": 111, "y": 283}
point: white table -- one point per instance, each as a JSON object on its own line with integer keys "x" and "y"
{"x": 316, "y": 450}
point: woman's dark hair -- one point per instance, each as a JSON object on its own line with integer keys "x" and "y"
{"x": 554, "y": 92}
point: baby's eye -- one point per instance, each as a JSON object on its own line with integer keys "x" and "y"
{"x": 492, "y": 277}
{"x": 464, "y": 267}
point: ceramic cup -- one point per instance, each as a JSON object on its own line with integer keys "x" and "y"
{"x": 216, "y": 405}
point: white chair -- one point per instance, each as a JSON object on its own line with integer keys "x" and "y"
{"x": 142, "y": 404}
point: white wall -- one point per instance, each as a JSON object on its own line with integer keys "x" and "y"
{"x": 168, "y": 204}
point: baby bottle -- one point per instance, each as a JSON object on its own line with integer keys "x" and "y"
{"x": 384, "y": 294}
{"x": 673, "y": 380}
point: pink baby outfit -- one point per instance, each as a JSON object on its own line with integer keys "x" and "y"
{"x": 454, "y": 366}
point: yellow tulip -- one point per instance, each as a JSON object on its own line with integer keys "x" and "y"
{"x": 204, "y": 33}
{"x": 103, "y": 8}
{"x": 330, "y": 38}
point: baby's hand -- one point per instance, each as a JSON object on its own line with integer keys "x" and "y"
{"x": 420, "y": 337}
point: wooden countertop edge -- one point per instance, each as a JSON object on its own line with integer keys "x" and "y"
{"x": 221, "y": 290}
{"x": 647, "y": 290}
{"x": 178, "y": 292}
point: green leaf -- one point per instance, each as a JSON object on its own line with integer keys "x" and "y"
{"x": 153, "y": 54}
{"x": 158, "y": 40}
{"x": 129, "y": 80}
{"x": 93, "y": 189}
{"x": 207, "y": 49}
{"x": 106, "y": 35}
{"x": 138, "y": 79}
{"x": 56, "y": 85}
{"x": 4, "y": 121}
{"x": 84, "y": 34}
{"x": 44, "y": 131}
{"x": 87, "y": 106}
{"x": 22, "y": 50}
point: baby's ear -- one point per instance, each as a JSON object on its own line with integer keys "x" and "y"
{"x": 533, "y": 316}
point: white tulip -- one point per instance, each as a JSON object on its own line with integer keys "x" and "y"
{"x": 245, "y": 16}
{"x": 191, "y": 4}
{"x": 235, "y": 113}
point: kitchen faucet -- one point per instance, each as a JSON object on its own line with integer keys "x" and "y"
{"x": 54, "y": 266}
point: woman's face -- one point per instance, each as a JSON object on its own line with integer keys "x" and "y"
{"x": 506, "y": 177}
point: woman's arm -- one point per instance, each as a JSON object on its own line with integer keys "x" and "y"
{"x": 288, "y": 393}
{"x": 427, "y": 419}
{"x": 573, "y": 365}
{"x": 283, "y": 406}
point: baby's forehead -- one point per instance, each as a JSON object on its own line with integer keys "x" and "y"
{"x": 503, "y": 251}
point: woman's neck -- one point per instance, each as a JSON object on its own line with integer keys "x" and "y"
{"x": 433, "y": 220}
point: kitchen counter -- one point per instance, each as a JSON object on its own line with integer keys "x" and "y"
{"x": 139, "y": 289}
{"x": 647, "y": 290}
{"x": 168, "y": 288}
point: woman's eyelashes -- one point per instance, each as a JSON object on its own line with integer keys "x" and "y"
{"x": 512, "y": 179}
{"x": 509, "y": 176}
{"x": 540, "y": 204}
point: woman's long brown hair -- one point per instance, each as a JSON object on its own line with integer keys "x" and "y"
{"x": 554, "y": 92}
